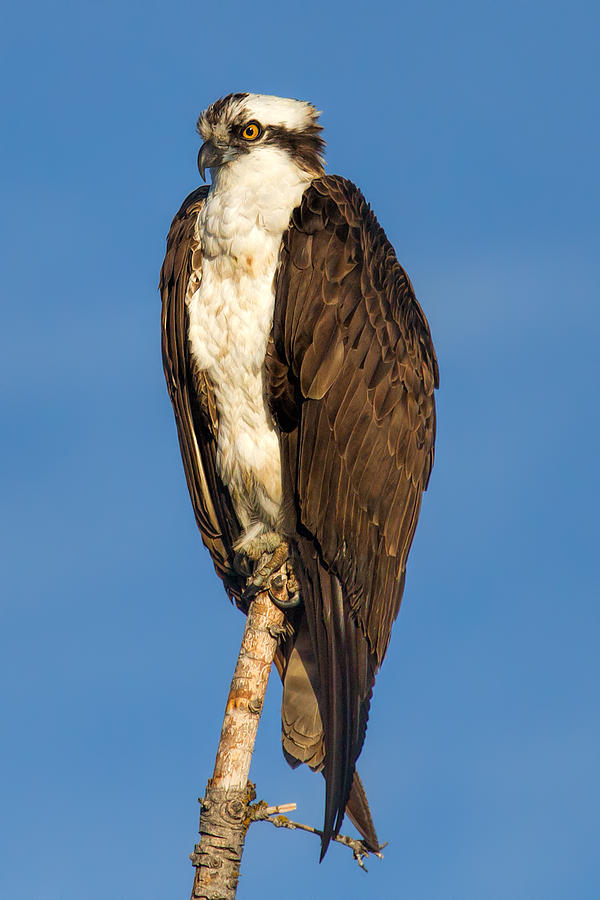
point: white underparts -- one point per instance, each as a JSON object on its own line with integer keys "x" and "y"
{"x": 240, "y": 228}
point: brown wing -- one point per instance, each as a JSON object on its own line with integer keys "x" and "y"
{"x": 351, "y": 375}
{"x": 192, "y": 396}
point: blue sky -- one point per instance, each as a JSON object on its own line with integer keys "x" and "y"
{"x": 473, "y": 130}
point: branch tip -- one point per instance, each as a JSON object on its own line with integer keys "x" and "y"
{"x": 260, "y": 812}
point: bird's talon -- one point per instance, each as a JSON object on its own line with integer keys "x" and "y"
{"x": 276, "y": 631}
{"x": 283, "y": 602}
{"x": 278, "y": 581}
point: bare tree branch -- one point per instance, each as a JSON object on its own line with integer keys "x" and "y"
{"x": 225, "y": 811}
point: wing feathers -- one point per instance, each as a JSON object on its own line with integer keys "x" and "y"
{"x": 191, "y": 396}
{"x": 362, "y": 371}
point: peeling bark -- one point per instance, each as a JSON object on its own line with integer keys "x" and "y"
{"x": 225, "y": 814}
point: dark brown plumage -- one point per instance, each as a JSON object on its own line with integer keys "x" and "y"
{"x": 350, "y": 377}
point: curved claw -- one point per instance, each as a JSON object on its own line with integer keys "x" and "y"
{"x": 291, "y": 601}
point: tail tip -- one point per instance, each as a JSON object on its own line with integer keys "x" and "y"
{"x": 325, "y": 842}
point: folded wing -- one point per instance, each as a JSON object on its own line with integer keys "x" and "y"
{"x": 351, "y": 372}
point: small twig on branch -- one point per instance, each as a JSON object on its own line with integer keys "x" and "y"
{"x": 262, "y": 813}
{"x": 278, "y": 810}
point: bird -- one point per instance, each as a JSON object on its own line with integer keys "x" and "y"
{"x": 301, "y": 372}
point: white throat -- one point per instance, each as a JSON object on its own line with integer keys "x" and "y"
{"x": 240, "y": 227}
{"x": 253, "y": 197}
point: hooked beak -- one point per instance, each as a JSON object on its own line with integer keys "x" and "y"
{"x": 209, "y": 157}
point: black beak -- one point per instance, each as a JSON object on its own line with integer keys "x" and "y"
{"x": 208, "y": 157}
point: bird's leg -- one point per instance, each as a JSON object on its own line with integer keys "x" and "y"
{"x": 273, "y": 571}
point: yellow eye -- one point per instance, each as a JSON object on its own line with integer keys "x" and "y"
{"x": 251, "y": 131}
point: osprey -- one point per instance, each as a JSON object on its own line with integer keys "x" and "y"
{"x": 301, "y": 372}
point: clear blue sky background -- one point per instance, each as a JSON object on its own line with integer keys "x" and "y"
{"x": 473, "y": 129}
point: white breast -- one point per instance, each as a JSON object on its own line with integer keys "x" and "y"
{"x": 240, "y": 228}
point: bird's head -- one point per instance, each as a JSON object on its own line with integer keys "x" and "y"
{"x": 258, "y": 126}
